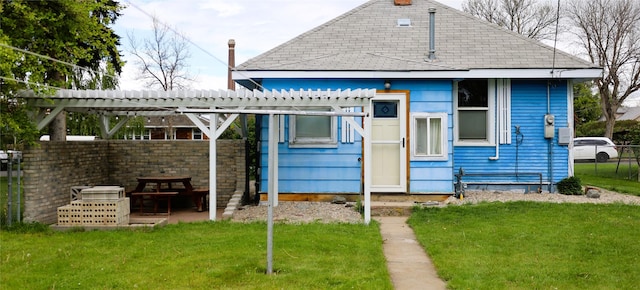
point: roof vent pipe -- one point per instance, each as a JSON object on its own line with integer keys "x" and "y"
{"x": 432, "y": 33}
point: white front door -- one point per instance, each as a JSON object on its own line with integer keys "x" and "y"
{"x": 388, "y": 143}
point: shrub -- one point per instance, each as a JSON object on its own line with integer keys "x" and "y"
{"x": 570, "y": 186}
{"x": 359, "y": 207}
{"x": 623, "y": 131}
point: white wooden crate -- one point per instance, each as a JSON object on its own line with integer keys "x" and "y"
{"x": 101, "y": 193}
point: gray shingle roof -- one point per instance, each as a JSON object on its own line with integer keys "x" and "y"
{"x": 630, "y": 113}
{"x": 368, "y": 38}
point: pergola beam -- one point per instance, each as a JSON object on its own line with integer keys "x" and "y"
{"x": 272, "y": 103}
{"x": 105, "y": 123}
{"x": 48, "y": 118}
{"x": 196, "y": 121}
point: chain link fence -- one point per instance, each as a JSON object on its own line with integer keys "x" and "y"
{"x": 623, "y": 166}
{"x": 11, "y": 189}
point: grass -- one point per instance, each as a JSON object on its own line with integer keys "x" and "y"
{"x": 607, "y": 178}
{"x": 203, "y": 255}
{"x": 4, "y": 190}
{"x": 527, "y": 245}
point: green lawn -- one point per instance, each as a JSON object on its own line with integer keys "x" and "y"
{"x": 605, "y": 176}
{"x": 4, "y": 190}
{"x": 518, "y": 245}
{"x": 205, "y": 255}
{"x": 487, "y": 246}
{"x": 527, "y": 245}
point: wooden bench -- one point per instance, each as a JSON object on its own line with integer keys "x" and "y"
{"x": 155, "y": 196}
{"x": 199, "y": 197}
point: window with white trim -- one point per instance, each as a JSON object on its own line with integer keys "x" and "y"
{"x": 429, "y": 136}
{"x": 313, "y": 131}
{"x": 475, "y": 112}
{"x": 197, "y": 134}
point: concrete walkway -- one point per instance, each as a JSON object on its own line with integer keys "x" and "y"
{"x": 407, "y": 263}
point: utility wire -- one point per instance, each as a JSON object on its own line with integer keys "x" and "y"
{"x": 191, "y": 42}
{"x": 30, "y": 83}
{"x": 113, "y": 76}
{"x": 555, "y": 39}
{"x": 55, "y": 60}
{"x": 58, "y": 61}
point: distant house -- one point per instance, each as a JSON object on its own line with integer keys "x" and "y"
{"x": 454, "y": 92}
{"x": 174, "y": 127}
{"x": 626, "y": 113}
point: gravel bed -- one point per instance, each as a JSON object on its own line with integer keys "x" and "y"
{"x": 300, "y": 212}
{"x": 501, "y": 196}
{"x": 326, "y": 212}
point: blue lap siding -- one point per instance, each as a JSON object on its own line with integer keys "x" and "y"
{"x": 528, "y": 107}
{"x": 315, "y": 170}
{"x": 338, "y": 170}
{"x": 432, "y": 96}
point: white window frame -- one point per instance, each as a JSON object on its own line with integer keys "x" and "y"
{"x": 444, "y": 154}
{"x": 491, "y": 118}
{"x": 313, "y": 142}
{"x": 196, "y": 134}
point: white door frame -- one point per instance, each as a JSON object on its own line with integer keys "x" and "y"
{"x": 400, "y": 97}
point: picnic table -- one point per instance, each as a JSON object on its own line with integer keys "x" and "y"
{"x": 166, "y": 187}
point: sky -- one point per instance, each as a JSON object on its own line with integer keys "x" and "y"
{"x": 255, "y": 25}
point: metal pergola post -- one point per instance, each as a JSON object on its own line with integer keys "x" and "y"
{"x": 272, "y": 187}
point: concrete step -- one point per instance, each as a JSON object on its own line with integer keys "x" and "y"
{"x": 398, "y": 208}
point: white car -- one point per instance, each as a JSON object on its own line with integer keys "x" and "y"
{"x": 4, "y": 158}
{"x": 600, "y": 149}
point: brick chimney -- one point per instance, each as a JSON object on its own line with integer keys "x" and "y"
{"x": 232, "y": 64}
{"x": 401, "y": 2}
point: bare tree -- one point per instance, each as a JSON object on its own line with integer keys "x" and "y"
{"x": 162, "y": 60}
{"x": 526, "y": 17}
{"x": 609, "y": 31}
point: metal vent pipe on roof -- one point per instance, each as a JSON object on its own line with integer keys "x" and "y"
{"x": 432, "y": 33}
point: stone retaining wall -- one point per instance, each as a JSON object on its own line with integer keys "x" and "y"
{"x": 51, "y": 169}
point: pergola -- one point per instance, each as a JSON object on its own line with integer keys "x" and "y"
{"x": 224, "y": 105}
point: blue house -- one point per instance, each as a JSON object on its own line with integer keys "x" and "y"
{"x": 454, "y": 95}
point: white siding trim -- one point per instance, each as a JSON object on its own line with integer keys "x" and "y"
{"x": 503, "y": 96}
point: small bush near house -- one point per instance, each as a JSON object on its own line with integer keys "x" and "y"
{"x": 570, "y": 186}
